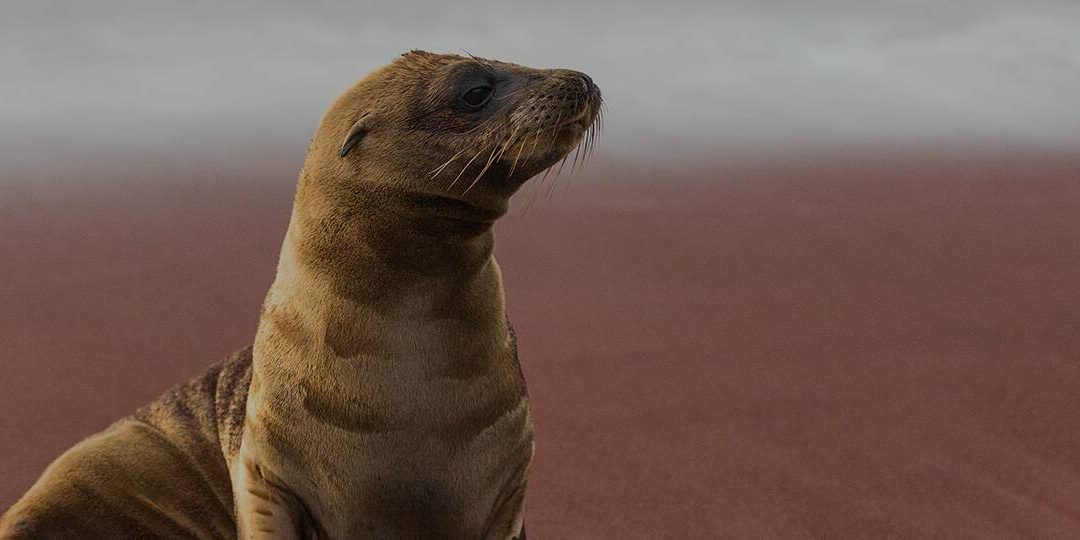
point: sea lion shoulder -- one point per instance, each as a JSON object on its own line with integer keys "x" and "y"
{"x": 159, "y": 473}
{"x": 206, "y": 410}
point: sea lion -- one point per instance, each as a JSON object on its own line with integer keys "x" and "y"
{"x": 382, "y": 397}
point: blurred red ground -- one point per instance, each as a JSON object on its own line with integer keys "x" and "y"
{"x": 862, "y": 344}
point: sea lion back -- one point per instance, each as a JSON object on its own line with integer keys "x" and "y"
{"x": 160, "y": 473}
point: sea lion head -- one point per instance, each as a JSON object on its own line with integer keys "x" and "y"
{"x": 439, "y": 128}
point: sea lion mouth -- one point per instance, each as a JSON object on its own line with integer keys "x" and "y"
{"x": 582, "y": 120}
{"x": 452, "y": 209}
{"x": 578, "y": 125}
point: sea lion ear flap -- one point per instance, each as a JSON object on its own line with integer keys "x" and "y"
{"x": 357, "y": 132}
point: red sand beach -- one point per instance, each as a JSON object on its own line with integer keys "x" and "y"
{"x": 860, "y": 344}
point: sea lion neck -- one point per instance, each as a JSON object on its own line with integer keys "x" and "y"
{"x": 373, "y": 240}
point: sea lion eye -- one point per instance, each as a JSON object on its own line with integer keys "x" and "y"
{"x": 477, "y": 97}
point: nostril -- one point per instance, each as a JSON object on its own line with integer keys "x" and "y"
{"x": 589, "y": 85}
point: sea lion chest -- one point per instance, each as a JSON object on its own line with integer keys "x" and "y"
{"x": 390, "y": 449}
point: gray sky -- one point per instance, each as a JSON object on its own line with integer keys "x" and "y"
{"x": 183, "y": 77}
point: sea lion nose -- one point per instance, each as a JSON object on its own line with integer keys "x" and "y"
{"x": 567, "y": 75}
{"x": 590, "y": 87}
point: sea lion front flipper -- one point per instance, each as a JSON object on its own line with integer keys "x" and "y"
{"x": 264, "y": 508}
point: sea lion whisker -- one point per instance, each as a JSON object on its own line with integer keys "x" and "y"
{"x": 476, "y": 127}
{"x": 521, "y": 148}
{"x": 594, "y": 138}
{"x": 535, "y": 143}
{"x": 555, "y": 181}
{"x": 555, "y": 127}
{"x": 487, "y": 166}
{"x": 532, "y": 199}
{"x": 440, "y": 168}
{"x": 551, "y": 188}
{"x": 508, "y": 143}
{"x": 490, "y": 120}
{"x": 463, "y": 169}
{"x": 547, "y": 171}
{"x": 502, "y": 152}
{"x": 577, "y": 152}
{"x": 497, "y": 153}
{"x": 500, "y": 98}
{"x": 585, "y": 146}
{"x": 591, "y": 141}
{"x": 561, "y": 163}
{"x": 476, "y": 60}
{"x": 595, "y": 142}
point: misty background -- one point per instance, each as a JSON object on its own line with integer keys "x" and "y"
{"x": 83, "y": 82}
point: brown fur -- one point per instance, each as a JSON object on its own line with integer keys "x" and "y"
{"x": 382, "y": 397}
{"x": 161, "y": 473}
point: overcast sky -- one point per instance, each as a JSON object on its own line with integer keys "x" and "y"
{"x": 79, "y": 77}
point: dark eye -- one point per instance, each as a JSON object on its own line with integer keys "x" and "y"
{"x": 477, "y": 97}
